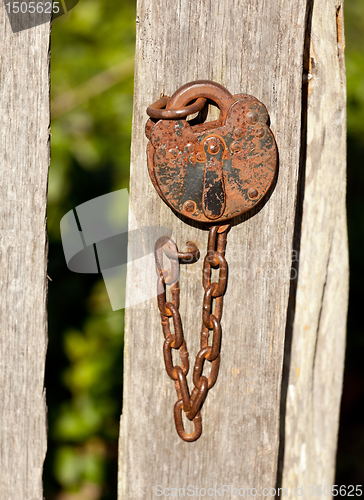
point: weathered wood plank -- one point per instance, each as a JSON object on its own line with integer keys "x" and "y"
{"x": 254, "y": 47}
{"x": 318, "y": 338}
{"x": 24, "y": 161}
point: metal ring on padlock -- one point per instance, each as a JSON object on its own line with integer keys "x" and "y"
{"x": 157, "y": 111}
{"x": 203, "y": 88}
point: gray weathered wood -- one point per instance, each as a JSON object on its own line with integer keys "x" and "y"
{"x": 24, "y": 161}
{"x": 254, "y": 47}
{"x": 318, "y": 340}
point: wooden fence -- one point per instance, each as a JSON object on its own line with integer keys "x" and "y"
{"x": 272, "y": 418}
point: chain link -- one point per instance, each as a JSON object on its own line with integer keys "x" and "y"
{"x": 211, "y": 316}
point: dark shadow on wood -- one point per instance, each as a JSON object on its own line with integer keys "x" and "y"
{"x": 296, "y": 247}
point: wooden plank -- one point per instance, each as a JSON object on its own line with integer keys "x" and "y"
{"x": 318, "y": 338}
{"x": 253, "y": 47}
{"x": 24, "y": 153}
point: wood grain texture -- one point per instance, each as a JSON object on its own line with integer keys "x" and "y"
{"x": 318, "y": 336}
{"x": 24, "y": 153}
{"x": 253, "y": 47}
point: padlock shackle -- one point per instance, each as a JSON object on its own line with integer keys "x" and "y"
{"x": 157, "y": 111}
{"x": 203, "y": 88}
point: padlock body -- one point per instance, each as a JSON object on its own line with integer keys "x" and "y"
{"x": 218, "y": 173}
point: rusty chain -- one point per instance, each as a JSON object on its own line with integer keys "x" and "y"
{"x": 211, "y": 317}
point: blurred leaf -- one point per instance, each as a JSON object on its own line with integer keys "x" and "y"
{"x": 68, "y": 466}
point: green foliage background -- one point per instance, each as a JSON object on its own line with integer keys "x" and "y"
{"x": 90, "y": 157}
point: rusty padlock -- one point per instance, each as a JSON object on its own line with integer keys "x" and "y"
{"x": 215, "y": 171}
{"x": 210, "y": 172}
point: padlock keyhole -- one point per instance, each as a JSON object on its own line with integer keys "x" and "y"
{"x": 213, "y": 194}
